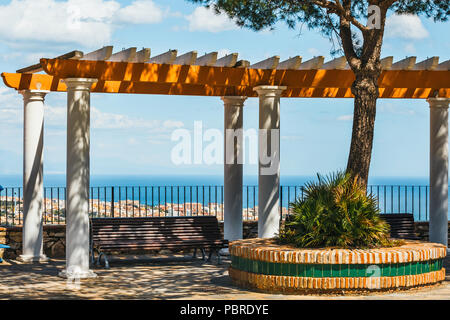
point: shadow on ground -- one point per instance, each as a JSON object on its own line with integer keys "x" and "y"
{"x": 149, "y": 277}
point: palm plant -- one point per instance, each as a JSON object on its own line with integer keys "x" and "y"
{"x": 336, "y": 211}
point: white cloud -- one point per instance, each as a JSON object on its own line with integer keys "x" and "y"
{"x": 346, "y": 117}
{"x": 405, "y": 26}
{"x": 86, "y": 22}
{"x": 203, "y": 19}
{"x": 140, "y": 12}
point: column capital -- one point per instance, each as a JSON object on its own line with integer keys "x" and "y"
{"x": 33, "y": 95}
{"x": 266, "y": 90}
{"x": 438, "y": 102}
{"x": 237, "y": 101}
{"x": 79, "y": 84}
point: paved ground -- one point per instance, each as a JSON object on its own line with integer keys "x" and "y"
{"x": 174, "y": 277}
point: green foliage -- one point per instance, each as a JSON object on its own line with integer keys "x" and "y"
{"x": 321, "y": 15}
{"x": 335, "y": 212}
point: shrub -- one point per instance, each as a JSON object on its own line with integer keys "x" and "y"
{"x": 336, "y": 211}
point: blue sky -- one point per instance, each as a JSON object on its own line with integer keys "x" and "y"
{"x": 131, "y": 134}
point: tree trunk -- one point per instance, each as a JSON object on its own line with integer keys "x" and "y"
{"x": 365, "y": 90}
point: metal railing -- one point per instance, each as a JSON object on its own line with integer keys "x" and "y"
{"x": 147, "y": 201}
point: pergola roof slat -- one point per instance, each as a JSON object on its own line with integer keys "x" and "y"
{"x": 126, "y": 55}
{"x": 405, "y": 64}
{"x": 100, "y": 54}
{"x": 165, "y": 58}
{"x": 143, "y": 55}
{"x": 314, "y": 63}
{"x": 209, "y": 59}
{"x": 186, "y": 59}
{"x": 228, "y": 60}
{"x": 386, "y": 63}
{"x": 444, "y": 66}
{"x": 291, "y": 63}
{"x": 269, "y": 63}
{"x": 337, "y": 63}
{"x": 428, "y": 64}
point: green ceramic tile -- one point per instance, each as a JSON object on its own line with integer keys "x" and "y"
{"x": 284, "y": 268}
{"x": 309, "y": 271}
{"x": 255, "y": 267}
{"x": 277, "y": 269}
{"x": 261, "y": 268}
{"x": 362, "y": 270}
{"x": 271, "y": 268}
{"x": 345, "y": 270}
{"x": 301, "y": 270}
{"x": 427, "y": 267}
{"x": 408, "y": 268}
{"x": 292, "y": 269}
{"x": 336, "y": 270}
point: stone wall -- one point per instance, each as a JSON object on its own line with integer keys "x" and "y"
{"x": 54, "y": 241}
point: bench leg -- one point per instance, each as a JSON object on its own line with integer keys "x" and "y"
{"x": 195, "y": 253}
{"x": 219, "y": 258}
{"x": 203, "y": 254}
{"x": 105, "y": 258}
{"x": 210, "y": 254}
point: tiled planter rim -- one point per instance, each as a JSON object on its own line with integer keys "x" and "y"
{"x": 268, "y": 250}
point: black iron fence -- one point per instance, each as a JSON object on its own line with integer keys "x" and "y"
{"x": 147, "y": 201}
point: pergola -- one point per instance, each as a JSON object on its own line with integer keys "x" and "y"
{"x": 136, "y": 72}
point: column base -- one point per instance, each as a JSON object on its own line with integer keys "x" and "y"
{"x": 77, "y": 274}
{"x": 30, "y": 258}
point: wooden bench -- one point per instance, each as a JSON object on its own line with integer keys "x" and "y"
{"x": 402, "y": 225}
{"x": 155, "y": 233}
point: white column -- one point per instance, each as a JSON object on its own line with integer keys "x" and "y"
{"x": 33, "y": 144}
{"x": 439, "y": 170}
{"x": 77, "y": 178}
{"x": 269, "y": 160}
{"x": 233, "y": 166}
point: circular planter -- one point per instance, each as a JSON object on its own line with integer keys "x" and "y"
{"x": 264, "y": 265}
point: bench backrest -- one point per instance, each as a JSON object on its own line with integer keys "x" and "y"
{"x": 402, "y": 225}
{"x": 155, "y": 232}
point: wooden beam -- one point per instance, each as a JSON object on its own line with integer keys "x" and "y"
{"x": 237, "y": 76}
{"x": 100, "y": 54}
{"x": 290, "y": 64}
{"x": 209, "y": 59}
{"x": 269, "y": 63}
{"x": 165, "y": 58}
{"x": 405, "y": 64}
{"x": 187, "y": 58}
{"x": 38, "y": 68}
{"x": 314, "y": 63}
{"x": 126, "y": 55}
{"x": 228, "y": 60}
{"x": 21, "y": 81}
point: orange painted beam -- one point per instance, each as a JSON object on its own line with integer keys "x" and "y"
{"x": 28, "y": 81}
{"x": 236, "y": 77}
